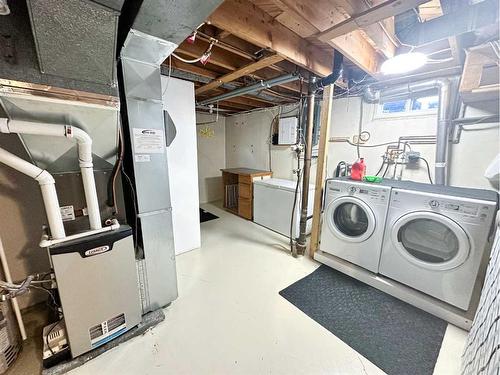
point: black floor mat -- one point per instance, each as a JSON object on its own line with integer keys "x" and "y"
{"x": 206, "y": 216}
{"x": 398, "y": 338}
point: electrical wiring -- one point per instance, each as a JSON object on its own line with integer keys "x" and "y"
{"x": 428, "y": 169}
{"x": 204, "y": 55}
{"x": 48, "y": 335}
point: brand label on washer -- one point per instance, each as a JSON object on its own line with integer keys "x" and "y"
{"x": 97, "y": 250}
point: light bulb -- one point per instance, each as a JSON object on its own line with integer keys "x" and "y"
{"x": 403, "y": 63}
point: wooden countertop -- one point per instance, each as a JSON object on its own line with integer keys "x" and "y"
{"x": 247, "y": 171}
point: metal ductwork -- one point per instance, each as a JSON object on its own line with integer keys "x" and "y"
{"x": 74, "y": 46}
{"x": 150, "y": 34}
{"x": 403, "y": 91}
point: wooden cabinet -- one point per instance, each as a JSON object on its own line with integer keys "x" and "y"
{"x": 238, "y": 189}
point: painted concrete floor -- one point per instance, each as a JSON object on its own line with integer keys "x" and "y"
{"x": 229, "y": 318}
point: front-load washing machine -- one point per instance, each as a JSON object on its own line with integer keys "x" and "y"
{"x": 353, "y": 221}
{"x": 436, "y": 238}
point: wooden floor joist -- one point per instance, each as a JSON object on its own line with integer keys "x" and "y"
{"x": 247, "y": 21}
{"x": 243, "y": 71}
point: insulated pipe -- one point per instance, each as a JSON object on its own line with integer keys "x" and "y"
{"x": 84, "y": 143}
{"x": 47, "y": 186}
{"x": 15, "y": 304}
{"x": 444, "y": 115}
{"x": 252, "y": 88}
{"x": 301, "y": 242}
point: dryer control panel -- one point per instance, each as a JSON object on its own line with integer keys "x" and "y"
{"x": 467, "y": 210}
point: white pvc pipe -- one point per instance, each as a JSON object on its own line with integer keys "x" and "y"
{"x": 84, "y": 143}
{"x": 47, "y": 186}
{"x": 15, "y": 304}
{"x": 46, "y": 241}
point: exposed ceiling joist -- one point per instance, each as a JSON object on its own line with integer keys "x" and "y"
{"x": 247, "y": 21}
{"x": 370, "y": 16}
{"x": 381, "y": 33}
{"x": 243, "y": 71}
{"x": 353, "y": 46}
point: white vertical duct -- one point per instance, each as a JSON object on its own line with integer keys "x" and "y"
{"x": 47, "y": 186}
{"x": 84, "y": 143}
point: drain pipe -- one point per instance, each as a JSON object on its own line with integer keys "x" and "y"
{"x": 47, "y": 186}
{"x": 443, "y": 85}
{"x": 300, "y": 247}
{"x": 84, "y": 156}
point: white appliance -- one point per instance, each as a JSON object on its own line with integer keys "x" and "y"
{"x": 353, "y": 221}
{"x": 182, "y": 160}
{"x": 436, "y": 239}
{"x": 273, "y": 204}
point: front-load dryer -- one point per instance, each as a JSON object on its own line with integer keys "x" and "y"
{"x": 353, "y": 221}
{"x": 435, "y": 242}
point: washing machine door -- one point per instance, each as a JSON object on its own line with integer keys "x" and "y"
{"x": 431, "y": 240}
{"x": 350, "y": 219}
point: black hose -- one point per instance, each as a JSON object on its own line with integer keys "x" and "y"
{"x": 428, "y": 169}
{"x": 381, "y": 167}
{"x": 338, "y": 60}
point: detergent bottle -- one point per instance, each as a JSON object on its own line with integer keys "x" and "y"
{"x": 358, "y": 170}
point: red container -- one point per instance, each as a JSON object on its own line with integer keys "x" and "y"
{"x": 358, "y": 170}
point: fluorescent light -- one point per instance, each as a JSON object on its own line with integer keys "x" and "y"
{"x": 403, "y": 63}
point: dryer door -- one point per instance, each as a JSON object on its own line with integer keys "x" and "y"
{"x": 350, "y": 219}
{"x": 431, "y": 240}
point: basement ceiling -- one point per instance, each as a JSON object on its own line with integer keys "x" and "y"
{"x": 256, "y": 40}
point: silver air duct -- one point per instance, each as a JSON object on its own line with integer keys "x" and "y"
{"x": 153, "y": 33}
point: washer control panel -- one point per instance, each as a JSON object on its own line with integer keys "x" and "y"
{"x": 362, "y": 191}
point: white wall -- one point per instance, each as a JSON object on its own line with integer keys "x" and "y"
{"x": 345, "y": 123}
{"x": 178, "y": 101}
{"x": 247, "y": 137}
{"x": 211, "y": 140}
{"x": 247, "y": 144}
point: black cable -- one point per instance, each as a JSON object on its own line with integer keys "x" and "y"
{"x": 386, "y": 169}
{"x": 381, "y": 167}
{"x": 428, "y": 169}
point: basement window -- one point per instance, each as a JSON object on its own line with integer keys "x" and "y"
{"x": 424, "y": 105}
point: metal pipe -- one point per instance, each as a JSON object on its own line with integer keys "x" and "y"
{"x": 444, "y": 121}
{"x": 47, "y": 186}
{"x": 255, "y": 87}
{"x": 306, "y": 174}
{"x": 15, "y": 304}
{"x": 84, "y": 143}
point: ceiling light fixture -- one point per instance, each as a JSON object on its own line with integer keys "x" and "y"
{"x": 403, "y": 63}
{"x": 4, "y": 8}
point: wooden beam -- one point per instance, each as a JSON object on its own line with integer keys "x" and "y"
{"x": 377, "y": 13}
{"x": 243, "y": 71}
{"x": 325, "y": 118}
{"x": 353, "y": 46}
{"x": 190, "y": 68}
{"x": 247, "y": 21}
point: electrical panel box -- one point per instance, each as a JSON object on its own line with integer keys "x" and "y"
{"x": 287, "y": 133}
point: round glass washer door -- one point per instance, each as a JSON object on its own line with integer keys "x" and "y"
{"x": 350, "y": 219}
{"x": 431, "y": 240}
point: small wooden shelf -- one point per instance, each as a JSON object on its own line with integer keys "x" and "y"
{"x": 238, "y": 189}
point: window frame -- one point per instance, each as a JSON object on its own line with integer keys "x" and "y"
{"x": 408, "y": 112}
